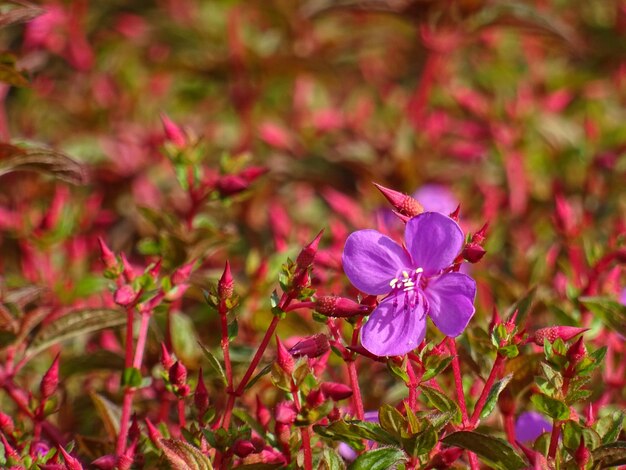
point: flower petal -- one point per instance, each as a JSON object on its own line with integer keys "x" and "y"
{"x": 433, "y": 240}
{"x": 451, "y": 302}
{"x": 394, "y": 328}
{"x": 371, "y": 260}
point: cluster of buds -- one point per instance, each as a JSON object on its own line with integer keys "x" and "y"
{"x": 505, "y": 335}
{"x": 405, "y": 206}
{"x": 296, "y": 277}
{"x": 473, "y": 251}
{"x": 177, "y": 375}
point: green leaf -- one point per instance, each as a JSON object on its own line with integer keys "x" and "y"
{"x": 109, "y": 412}
{"x": 495, "y": 452}
{"x": 611, "y": 432}
{"x": 492, "y": 398}
{"x": 392, "y": 421}
{"x": 439, "y": 367}
{"x": 551, "y": 407}
{"x": 183, "y": 455}
{"x": 611, "y": 312}
{"x": 131, "y": 377}
{"x": 233, "y": 330}
{"x": 249, "y": 420}
{"x": 330, "y": 460}
{"x": 397, "y": 371}
{"x": 610, "y": 455}
{"x": 378, "y": 459}
{"x": 98, "y": 360}
{"x": 441, "y": 402}
{"x": 353, "y": 433}
{"x": 263, "y": 372}
{"x": 215, "y": 365}
{"x": 73, "y": 324}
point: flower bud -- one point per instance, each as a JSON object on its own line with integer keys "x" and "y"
{"x": 582, "y": 454}
{"x": 182, "y": 274}
{"x": 263, "y": 415}
{"x": 551, "y": 333}
{"x": 178, "y": 374}
{"x": 403, "y": 203}
{"x": 243, "y": 448}
{"x": 336, "y": 391}
{"x": 173, "y": 132}
{"x": 7, "y": 426}
{"x": 125, "y": 296}
{"x": 134, "y": 433}
{"x": 285, "y": 412}
{"x": 226, "y": 285}
{"x": 576, "y": 352}
{"x": 71, "y": 463}
{"x": 307, "y": 255}
{"x": 166, "y": 359}
{"x": 283, "y": 433}
{"x": 479, "y": 237}
{"x": 128, "y": 270}
{"x": 106, "y": 255}
{"x": 9, "y": 451}
{"x": 473, "y": 252}
{"x": 153, "y": 433}
{"x": 229, "y": 185}
{"x": 333, "y": 306}
{"x": 251, "y": 173}
{"x": 311, "y": 346}
{"x": 267, "y": 456}
{"x": 50, "y": 380}
{"x": 283, "y": 358}
{"x": 201, "y": 396}
{"x": 106, "y": 462}
{"x": 590, "y": 418}
{"x": 315, "y": 398}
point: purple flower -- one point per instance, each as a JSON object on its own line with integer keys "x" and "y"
{"x": 530, "y": 425}
{"x": 436, "y": 198}
{"x": 622, "y": 297}
{"x": 414, "y": 281}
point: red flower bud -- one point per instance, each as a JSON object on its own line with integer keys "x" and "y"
{"x": 403, "y": 203}
{"x": 576, "y": 352}
{"x": 125, "y": 296}
{"x": 243, "y": 448}
{"x": 182, "y": 274}
{"x": 315, "y": 398}
{"x": 582, "y": 454}
{"x": 551, "y": 333}
{"x": 134, "y": 433}
{"x": 50, "y": 380}
{"x": 251, "y": 173}
{"x": 263, "y": 415}
{"x": 506, "y": 403}
{"x": 267, "y": 456}
{"x": 178, "y": 374}
{"x": 312, "y": 346}
{"x": 166, "y": 359}
{"x": 173, "y": 132}
{"x": 495, "y": 319}
{"x": 226, "y": 285}
{"x": 307, "y": 255}
{"x": 479, "y": 237}
{"x": 229, "y": 185}
{"x": 201, "y": 396}
{"x": 106, "y": 462}
{"x": 283, "y": 433}
{"x": 285, "y": 412}
{"x": 473, "y": 252}
{"x": 455, "y": 214}
{"x": 589, "y": 415}
{"x": 9, "y": 451}
{"x": 106, "y": 255}
{"x": 153, "y": 433}
{"x": 6, "y": 423}
{"x": 128, "y": 270}
{"x": 71, "y": 463}
{"x": 283, "y": 358}
{"x": 336, "y": 391}
{"x": 333, "y": 306}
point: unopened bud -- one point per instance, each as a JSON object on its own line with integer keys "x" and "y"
{"x": 551, "y": 333}
{"x": 267, "y": 456}
{"x": 125, "y": 296}
{"x": 106, "y": 255}
{"x": 473, "y": 252}
{"x": 582, "y": 454}
{"x": 311, "y": 346}
{"x": 128, "y": 270}
{"x": 334, "y": 414}
{"x": 251, "y": 173}
{"x": 7, "y": 426}
{"x": 243, "y": 448}
{"x": 263, "y": 415}
{"x": 403, "y": 203}
{"x": 495, "y": 319}
{"x": 445, "y": 458}
{"x": 201, "y": 396}
{"x": 106, "y": 462}
{"x": 182, "y": 274}
{"x": 336, "y": 391}
{"x": 315, "y": 398}
{"x": 307, "y": 255}
{"x": 178, "y": 374}
{"x": 166, "y": 359}
{"x": 229, "y": 185}
{"x": 576, "y": 352}
{"x": 479, "y": 237}
{"x": 50, "y": 380}
{"x": 9, "y": 451}
{"x": 590, "y": 418}
{"x": 71, "y": 463}
{"x": 454, "y": 215}
{"x": 564, "y": 215}
{"x": 173, "y": 132}
{"x": 226, "y": 285}
{"x": 285, "y": 412}
{"x": 333, "y": 306}
{"x": 153, "y": 433}
{"x": 283, "y": 433}
{"x": 283, "y": 358}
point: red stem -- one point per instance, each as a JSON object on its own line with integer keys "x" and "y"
{"x": 181, "y": 413}
{"x": 556, "y": 425}
{"x": 458, "y": 382}
{"x": 305, "y": 432}
{"x": 480, "y": 404}
{"x": 225, "y": 344}
{"x": 413, "y": 383}
{"x": 509, "y": 428}
{"x": 357, "y": 400}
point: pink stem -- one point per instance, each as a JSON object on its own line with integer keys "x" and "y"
{"x": 480, "y": 404}
{"x": 458, "y": 382}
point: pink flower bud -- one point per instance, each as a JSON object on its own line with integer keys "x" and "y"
{"x": 173, "y": 132}
{"x": 263, "y": 415}
{"x": 106, "y": 255}
{"x": 125, "y": 296}
{"x": 50, "y": 380}
{"x": 182, "y": 274}
{"x": 479, "y": 237}
{"x": 128, "y": 270}
{"x": 155, "y": 269}
{"x": 153, "y": 433}
{"x": 230, "y": 185}
{"x": 312, "y": 346}
{"x": 307, "y": 255}
{"x": 315, "y": 398}
{"x": 576, "y": 352}
{"x": 283, "y": 358}
{"x": 564, "y": 215}
{"x": 8, "y": 449}
{"x": 333, "y": 306}
{"x": 106, "y": 462}
{"x": 226, "y": 285}
{"x": 267, "y": 456}
{"x": 551, "y": 333}
{"x": 71, "y": 463}
{"x": 178, "y": 374}
{"x": 336, "y": 391}
{"x": 582, "y": 454}
{"x": 285, "y": 412}
{"x": 201, "y": 396}
{"x": 6, "y": 423}
{"x": 275, "y": 135}
{"x": 473, "y": 252}
{"x": 403, "y": 203}
{"x": 166, "y": 359}
{"x": 243, "y": 448}
{"x": 134, "y": 433}
{"x": 252, "y": 173}
{"x": 590, "y": 418}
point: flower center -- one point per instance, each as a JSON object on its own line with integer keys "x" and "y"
{"x": 406, "y": 280}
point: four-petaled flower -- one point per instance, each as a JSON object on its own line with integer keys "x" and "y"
{"x": 415, "y": 280}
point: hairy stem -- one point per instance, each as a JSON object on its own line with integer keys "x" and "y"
{"x": 458, "y": 382}
{"x": 480, "y": 404}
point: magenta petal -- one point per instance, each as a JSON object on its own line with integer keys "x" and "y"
{"x": 394, "y": 328}
{"x": 371, "y": 260}
{"x": 451, "y": 302}
{"x": 434, "y": 241}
